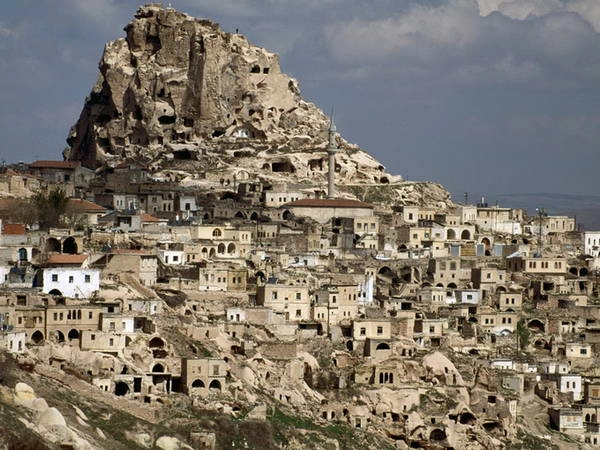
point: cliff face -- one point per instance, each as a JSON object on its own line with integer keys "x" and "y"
{"x": 179, "y": 88}
{"x": 174, "y": 79}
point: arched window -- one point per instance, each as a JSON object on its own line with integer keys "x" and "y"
{"x": 217, "y": 232}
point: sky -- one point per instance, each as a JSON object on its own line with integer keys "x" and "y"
{"x": 483, "y": 96}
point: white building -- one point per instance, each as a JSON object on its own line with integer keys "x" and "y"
{"x": 470, "y": 296}
{"x": 73, "y": 282}
{"x": 171, "y": 257}
{"x": 571, "y": 383}
{"x": 13, "y": 341}
{"x": 591, "y": 243}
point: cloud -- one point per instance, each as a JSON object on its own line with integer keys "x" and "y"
{"x": 462, "y": 41}
{"x": 520, "y": 9}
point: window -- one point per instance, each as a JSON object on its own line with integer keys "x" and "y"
{"x": 432, "y": 329}
{"x": 274, "y": 295}
{"x": 111, "y": 342}
{"x": 54, "y": 277}
{"x": 298, "y": 296}
{"x": 216, "y": 370}
{"x": 71, "y": 279}
{"x": 363, "y": 331}
{"x": 298, "y": 313}
{"x": 87, "y": 278}
{"x": 90, "y": 315}
{"x": 93, "y": 337}
{"x": 583, "y": 351}
{"x": 111, "y": 326}
{"x": 379, "y": 330}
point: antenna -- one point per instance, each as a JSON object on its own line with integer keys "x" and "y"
{"x": 466, "y": 198}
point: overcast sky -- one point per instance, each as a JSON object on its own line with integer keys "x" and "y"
{"x": 485, "y": 96}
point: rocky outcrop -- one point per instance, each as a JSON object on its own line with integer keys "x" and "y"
{"x": 179, "y": 88}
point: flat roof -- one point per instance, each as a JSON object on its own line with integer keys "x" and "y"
{"x": 329, "y": 203}
{"x": 49, "y": 164}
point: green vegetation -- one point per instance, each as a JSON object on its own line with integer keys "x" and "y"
{"x": 531, "y": 442}
{"x": 523, "y": 334}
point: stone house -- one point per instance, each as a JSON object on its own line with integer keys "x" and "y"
{"x": 375, "y": 329}
{"x": 571, "y": 383}
{"x": 12, "y": 341}
{"x": 68, "y": 174}
{"x": 488, "y": 279}
{"x": 219, "y": 277}
{"x": 292, "y": 302}
{"x": 449, "y": 272}
{"x": 335, "y": 303}
{"x": 66, "y": 322}
{"x": 323, "y": 210}
{"x": 203, "y": 375}
{"x": 72, "y": 282}
{"x": 510, "y": 301}
{"x": 429, "y": 331}
{"x": 591, "y": 243}
{"x": 83, "y": 213}
{"x": 139, "y": 263}
{"x": 171, "y": 253}
{"x": 497, "y": 322}
{"x": 103, "y": 341}
{"x": 468, "y": 296}
{"x": 542, "y": 266}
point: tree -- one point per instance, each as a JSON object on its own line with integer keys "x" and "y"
{"x": 49, "y": 207}
{"x": 522, "y": 335}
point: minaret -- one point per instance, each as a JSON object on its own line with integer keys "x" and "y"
{"x": 331, "y": 150}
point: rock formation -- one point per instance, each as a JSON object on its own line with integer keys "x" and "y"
{"x": 177, "y": 87}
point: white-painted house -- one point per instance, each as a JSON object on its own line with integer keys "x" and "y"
{"x": 571, "y": 383}
{"x": 73, "y": 282}
{"x": 171, "y": 257}
{"x": 591, "y": 243}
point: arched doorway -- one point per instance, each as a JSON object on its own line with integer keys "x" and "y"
{"x": 536, "y": 326}
{"x": 198, "y": 384}
{"x": 156, "y": 342}
{"x": 70, "y": 246}
{"x": 22, "y": 254}
{"x": 158, "y": 368}
{"x": 451, "y": 235}
{"x": 37, "y": 337}
{"x": 486, "y": 242}
{"x": 215, "y": 385}
{"x": 52, "y": 245}
{"x": 465, "y": 235}
{"x": 73, "y": 334}
{"x": 59, "y": 336}
{"x": 121, "y": 388}
{"x": 437, "y": 435}
{"x": 55, "y": 292}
